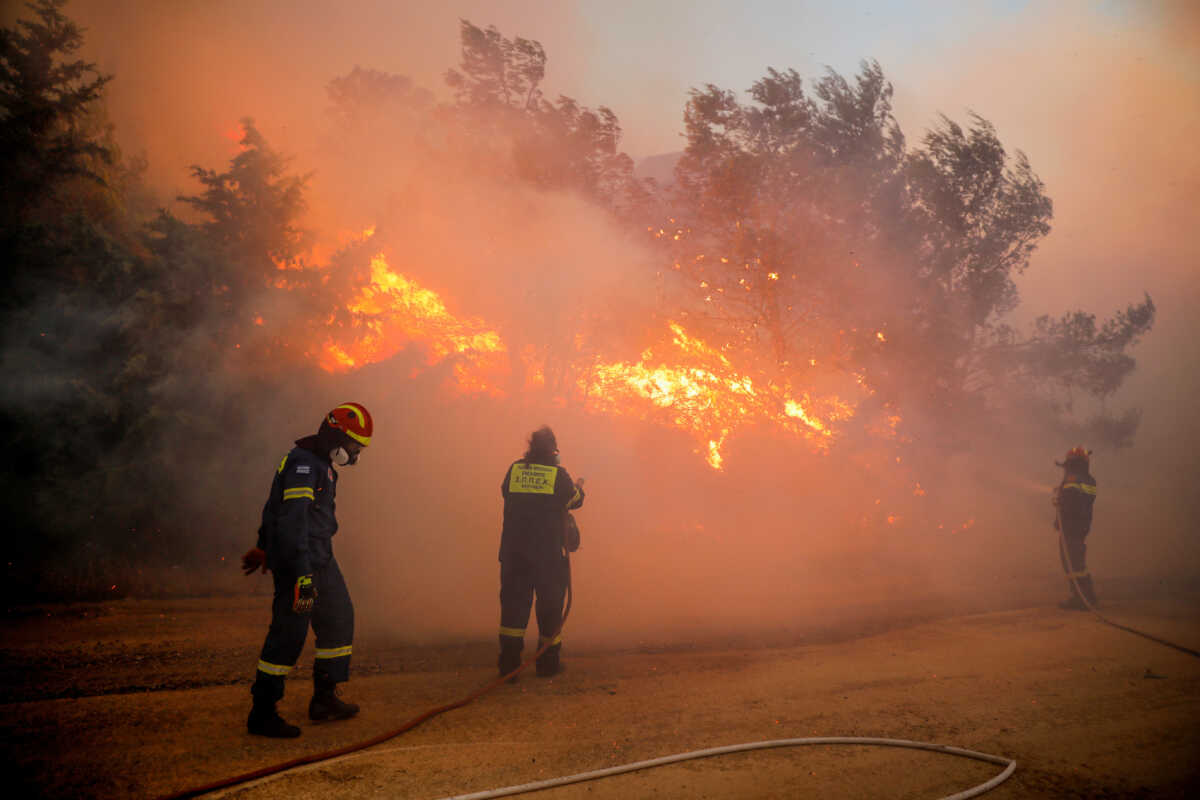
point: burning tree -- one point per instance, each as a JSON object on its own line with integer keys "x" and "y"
{"x": 817, "y": 276}
{"x": 803, "y": 226}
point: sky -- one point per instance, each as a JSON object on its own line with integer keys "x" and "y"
{"x": 1103, "y": 97}
{"x": 1079, "y": 86}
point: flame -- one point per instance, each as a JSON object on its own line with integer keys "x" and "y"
{"x": 708, "y": 399}
{"x": 392, "y": 311}
{"x": 682, "y": 382}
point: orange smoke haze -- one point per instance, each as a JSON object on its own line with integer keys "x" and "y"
{"x": 485, "y": 296}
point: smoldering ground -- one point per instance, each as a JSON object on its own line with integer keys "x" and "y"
{"x": 782, "y": 539}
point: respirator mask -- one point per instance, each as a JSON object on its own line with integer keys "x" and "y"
{"x": 342, "y": 457}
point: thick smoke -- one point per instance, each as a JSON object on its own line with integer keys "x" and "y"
{"x": 783, "y": 542}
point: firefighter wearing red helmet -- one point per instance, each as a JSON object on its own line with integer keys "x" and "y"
{"x": 295, "y": 542}
{"x": 537, "y": 534}
{"x": 1074, "y": 497}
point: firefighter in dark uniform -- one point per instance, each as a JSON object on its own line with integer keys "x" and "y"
{"x": 538, "y": 495}
{"x": 1074, "y": 498}
{"x": 295, "y": 543}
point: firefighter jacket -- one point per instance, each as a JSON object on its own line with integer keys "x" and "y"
{"x": 298, "y": 521}
{"x": 536, "y": 500}
{"x": 1076, "y": 495}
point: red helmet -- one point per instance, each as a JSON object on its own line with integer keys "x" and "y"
{"x": 1079, "y": 453}
{"x": 353, "y": 420}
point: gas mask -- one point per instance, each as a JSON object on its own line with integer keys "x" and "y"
{"x": 342, "y": 457}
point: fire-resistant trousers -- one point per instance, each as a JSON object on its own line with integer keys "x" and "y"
{"x": 1076, "y": 552}
{"x": 522, "y": 578}
{"x": 332, "y": 619}
{"x": 1074, "y": 562}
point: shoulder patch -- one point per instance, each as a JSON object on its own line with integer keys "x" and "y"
{"x": 303, "y": 469}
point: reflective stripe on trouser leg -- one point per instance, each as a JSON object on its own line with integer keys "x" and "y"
{"x": 1073, "y": 553}
{"x": 516, "y": 599}
{"x": 282, "y": 646}
{"x": 333, "y": 624}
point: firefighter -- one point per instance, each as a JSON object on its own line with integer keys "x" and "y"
{"x": 1074, "y": 498}
{"x": 295, "y": 543}
{"x": 538, "y": 495}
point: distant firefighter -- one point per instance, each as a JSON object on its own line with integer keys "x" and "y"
{"x": 295, "y": 542}
{"x": 537, "y": 535}
{"x": 1074, "y": 498}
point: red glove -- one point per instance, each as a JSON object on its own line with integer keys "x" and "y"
{"x": 305, "y": 595}
{"x": 254, "y": 559}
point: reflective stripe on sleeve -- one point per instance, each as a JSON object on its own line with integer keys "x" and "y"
{"x": 333, "y": 652}
{"x": 273, "y": 669}
{"x": 518, "y": 633}
{"x": 299, "y": 492}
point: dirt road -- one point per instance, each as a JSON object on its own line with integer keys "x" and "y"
{"x": 141, "y": 698}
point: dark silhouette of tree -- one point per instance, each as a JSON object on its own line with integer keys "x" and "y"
{"x": 45, "y": 97}
{"x": 552, "y": 145}
{"x": 363, "y": 95}
{"x": 498, "y": 72}
{"x": 244, "y": 254}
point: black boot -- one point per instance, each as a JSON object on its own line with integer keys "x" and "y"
{"x": 1074, "y": 602}
{"x": 264, "y": 720}
{"x": 326, "y": 705}
{"x": 548, "y": 663}
{"x": 510, "y": 655}
{"x": 1089, "y": 593}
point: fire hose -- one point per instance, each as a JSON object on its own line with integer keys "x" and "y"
{"x": 1009, "y": 764}
{"x": 314, "y": 758}
{"x": 1069, "y": 569}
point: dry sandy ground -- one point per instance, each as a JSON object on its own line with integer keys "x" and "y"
{"x": 142, "y": 698}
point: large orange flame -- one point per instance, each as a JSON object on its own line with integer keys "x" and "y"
{"x": 708, "y": 398}
{"x": 392, "y": 311}
{"x": 691, "y": 386}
